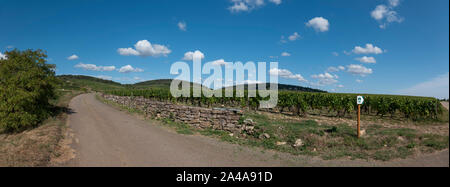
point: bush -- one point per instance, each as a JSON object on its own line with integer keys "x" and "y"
{"x": 27, "y": 83}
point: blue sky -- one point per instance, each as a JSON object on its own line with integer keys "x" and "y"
{"x": 407, "y": 52}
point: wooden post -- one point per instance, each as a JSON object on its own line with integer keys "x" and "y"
{"x": 359, "y": 122}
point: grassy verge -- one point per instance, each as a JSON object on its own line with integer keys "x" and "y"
{"x": 323, "y": 140}
{"x": 337, "y": 141}
{"x": 35, "y": 147}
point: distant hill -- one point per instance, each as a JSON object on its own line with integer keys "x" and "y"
{"x": 87, "y": 82}
{"x": 81, "y": 81}
{"x": 285, "y": 87}
{"x": 160, "y": 83}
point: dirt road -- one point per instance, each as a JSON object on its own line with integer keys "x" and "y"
{"x": 445, "y": 104}
{"x": 105, "y": 136}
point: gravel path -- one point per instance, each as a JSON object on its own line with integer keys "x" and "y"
{"x": 445, "y": 104}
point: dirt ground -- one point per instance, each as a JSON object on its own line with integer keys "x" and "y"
{"x": 445, "y": 104}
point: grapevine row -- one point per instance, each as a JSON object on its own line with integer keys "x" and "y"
{"x": 302, "y": 103}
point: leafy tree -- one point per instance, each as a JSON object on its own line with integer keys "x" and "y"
{"x": 27, "y": 83}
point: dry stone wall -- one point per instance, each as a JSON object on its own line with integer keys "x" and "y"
{"x": 217, "y": 119}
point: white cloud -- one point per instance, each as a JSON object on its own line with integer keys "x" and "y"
{"x": 367, "y": 60}
{"x": 251, "y": 82}
{"x": 277, "y": 2}
{"x": 332, "y": 69}
{"x": 368, "y": 49}
{"x": 129, "y": 69}
{"x": 335, "y": 69}
{"x": 347, "y": 53}
{"x": 286, "y": 74}
{"x": 249, "y": 5}
{"x": 73, "y": 57}
{"x": 189, "y": 56}
{"x": 325, "y": 79}
{"x": 359, "y": 81}
{"x": 294, "y": 36}
{"x": 105, "y": 77}
{"x": 2, "y": 56}
{"x": 239, "y": 7}
{"x": 245, "y": 5}
{"x": 394, "y": 3}
{"x": 379, "y": 12}
{"x": 320, "y": 24}
{"x": 93, "y": 67}
{"x": 285, "y": 54}
{"x": 145, "y": 48}
{"x": 340, "y": 86}
{"x": 220, "y": 62}
{"x": 359, "y": 70}
{"x": 437, "y": 87}
{"x": 386, "y": 14}
{"x": 128, "y": 52}
{"x": 335, "y": 53}
{"x": 182, "y": 25}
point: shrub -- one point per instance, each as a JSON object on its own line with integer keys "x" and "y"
{"x": 27, "y": 83}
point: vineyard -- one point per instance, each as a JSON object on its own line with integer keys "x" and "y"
{"x": 303, "y": 103}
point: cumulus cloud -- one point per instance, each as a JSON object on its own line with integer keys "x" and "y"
{"x": 2, "y": 56}
{"x": 367, "y": 60}
{"x": 145, "y": 48}
{"x": 93, "y": 67}
{"x": 359, "y": 70}
{"x": 239, "y": 7}
{"x": 437, "y": 87}
{"x": 368, "y": 49}
{"x": 394, "y": 3}
{"x": 251, "y": 82}
{"x": 386, "y": 14}
{"x": 284, "y": 73}
{"x": 189, "y": 56}
{"x": 294, "y": 36}
{"x": 182, "y": 25}
{"x": 73, "y": 57}
{"x": 277, "y": 2}
{"x": 379, "y": 12}
{"x": 220, "y": 62}
{"x": 320, "y": 24}
{"x": 285, "y": 54}
{"x": 335, "y": 69}
{"x": 325, "y": 79}
{"x": 249, "y": 5}
{"x": 129, "y": 69}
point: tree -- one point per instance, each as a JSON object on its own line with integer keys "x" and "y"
{"x": 27, "y": 83}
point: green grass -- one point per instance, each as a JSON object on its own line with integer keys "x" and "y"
{"x": 339, "y": 141}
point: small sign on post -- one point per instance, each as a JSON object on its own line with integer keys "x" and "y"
{"x": 359, "y": 101}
